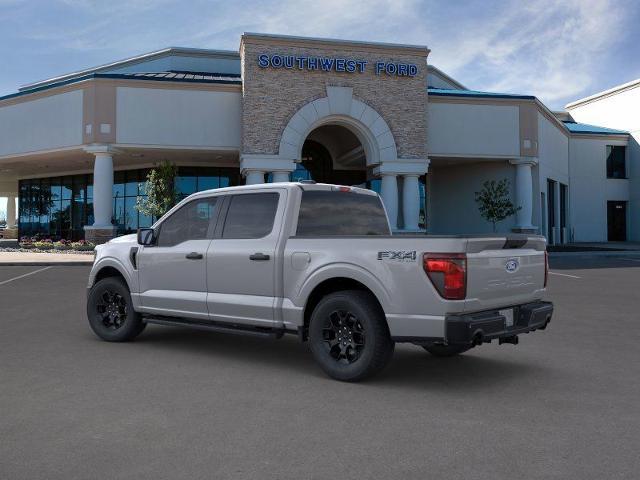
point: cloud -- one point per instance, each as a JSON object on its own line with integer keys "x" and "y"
{"x": 557, "y": 50}
{"x": 551, "y": 49}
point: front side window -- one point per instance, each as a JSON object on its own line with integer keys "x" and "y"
{"x": 325, "y": 213}
{"x": 251, "y": 215}
{"x": 190, "y": 222}
{"x": 616, "y": 164}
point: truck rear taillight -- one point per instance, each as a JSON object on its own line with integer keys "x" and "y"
{"x": 448, "y": 273}
{"x": 546, "y": 268}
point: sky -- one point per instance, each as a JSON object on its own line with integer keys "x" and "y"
{"x": 557, "y": 50}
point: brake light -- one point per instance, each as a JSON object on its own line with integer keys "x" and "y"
{"x": 546, "y": 268}
{"x": 448, "y": 273}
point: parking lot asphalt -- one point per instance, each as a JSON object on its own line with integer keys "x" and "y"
{"x": 180, "y": 403}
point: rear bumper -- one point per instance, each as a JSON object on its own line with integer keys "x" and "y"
{"x": 477, "y": 328}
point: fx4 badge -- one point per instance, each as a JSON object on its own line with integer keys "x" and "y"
{"x": 398, "y": 255}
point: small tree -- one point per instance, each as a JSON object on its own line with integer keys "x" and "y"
{"x": 494, "y": 201}
{"x": 160, "y": 190}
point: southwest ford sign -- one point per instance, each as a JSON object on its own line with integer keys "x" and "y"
{"x": 333, "y": 64}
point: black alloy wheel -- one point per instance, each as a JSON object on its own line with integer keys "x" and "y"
{"x": 349, "y": 336}
{"x": 113, "y": 309}
{"x": 344, "y": 336}
{"x": 110, "y": 311}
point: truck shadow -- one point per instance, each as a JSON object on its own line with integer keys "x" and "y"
{"x": 469, "y": 371}
{"x": 411, "y": 367}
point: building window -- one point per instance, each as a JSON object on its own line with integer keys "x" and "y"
{"x": 616, "y": 161}
{"x": 60, "y": 207}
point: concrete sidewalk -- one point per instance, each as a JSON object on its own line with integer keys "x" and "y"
{"x": 37, "y": 259}
{"x": 633, "y": 246}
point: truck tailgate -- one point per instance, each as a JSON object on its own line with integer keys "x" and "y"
{"x": 503, "y": 272}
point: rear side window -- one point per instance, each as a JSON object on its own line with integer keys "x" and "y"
{"x": 251, "y": 215}
{"x": 325, "y": 213}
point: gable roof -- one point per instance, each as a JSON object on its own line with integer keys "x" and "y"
{"x": 171, "y": 76}
{"x": 447, "y": 78}
{"x": 475, "y": 93}
{"x": 585, "y": 128}
{"x": 145, "y": 57}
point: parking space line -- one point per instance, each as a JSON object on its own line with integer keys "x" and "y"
{"x": 25, "y": 275}
{"x": 564, "y": 275}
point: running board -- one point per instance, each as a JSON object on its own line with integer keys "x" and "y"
{"x": 216, "y": 327}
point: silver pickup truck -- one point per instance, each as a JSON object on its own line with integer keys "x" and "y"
{"x": 317, "y": 261}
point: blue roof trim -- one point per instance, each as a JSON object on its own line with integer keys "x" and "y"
{"x": 585, "y": 128}
{"x": 226, "y": 80}
{"x": 444, "y": 92}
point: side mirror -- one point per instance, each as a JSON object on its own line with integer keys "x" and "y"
{"x": 146, "y": 236}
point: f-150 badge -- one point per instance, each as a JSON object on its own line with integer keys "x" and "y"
{"x": 398, "y": 255}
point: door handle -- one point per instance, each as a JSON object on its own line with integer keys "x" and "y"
{"x": 194, "y": 256}
{"x": 259, "y": 256}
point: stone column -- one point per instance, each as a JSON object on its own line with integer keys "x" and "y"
{"x": 11, "y": 212}
{"x": 524, "y": 194}
{"x": 280, "y": 176}
{"x": 253, "y": 177}
{"x": 102, "y": 229}
{"x": 389, "y": 194}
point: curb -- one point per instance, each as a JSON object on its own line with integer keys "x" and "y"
{"x": 46, "y": 264}
{"x": 596, "y": 253}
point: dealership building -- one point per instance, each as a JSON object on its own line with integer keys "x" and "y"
{"x": 75, "y": 150}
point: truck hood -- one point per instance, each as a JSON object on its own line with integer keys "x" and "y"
{"x": 131, "y": 238}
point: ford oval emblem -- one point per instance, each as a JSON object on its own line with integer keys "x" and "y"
{"x": 512, "y": 265}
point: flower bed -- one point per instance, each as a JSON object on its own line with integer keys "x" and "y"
{"x": 37, "y": 244}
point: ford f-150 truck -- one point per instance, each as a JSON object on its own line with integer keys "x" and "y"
{"x": 318, "y": 261}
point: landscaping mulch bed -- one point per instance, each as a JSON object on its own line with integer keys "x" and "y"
{"x": 49, "y": 250}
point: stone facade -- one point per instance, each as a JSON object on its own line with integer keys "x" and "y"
{"x": 271, "y": 96}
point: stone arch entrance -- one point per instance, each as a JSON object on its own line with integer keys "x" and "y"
{"x": 333, "y": 154}
{"x": 316, "y": 136}
{"x": 341, "y": 109}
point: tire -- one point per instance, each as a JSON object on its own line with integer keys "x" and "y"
{"x": 446, "y": 350}
{"x": 110, "y": 311}
{"x": 349, "y": 337}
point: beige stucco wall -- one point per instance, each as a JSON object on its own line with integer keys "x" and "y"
{"x": 467, "y": 129}
{"x": 451, "y": 196}
{"x": 271, "y": 96}
{"x": 590, "y": 189}
{"x": 54, "y": 121}
{"x": 621, "y": 111}
{"x": 178, "y": 117}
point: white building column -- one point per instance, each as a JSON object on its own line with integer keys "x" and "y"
{"x": 524, "y": 193}
{"x": 253, "y": 177}
{"x": 389, "y": 194}
{"x": 410, "y": 170}
{"x": 11, "y": 211}
{"x": 102, "y": 229}
{"x": 280, "y": 176}
{"x": 253, "y": 166}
